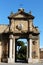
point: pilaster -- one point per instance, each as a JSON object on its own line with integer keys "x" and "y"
{"x": 30, "y": 50}
{"x": 11, "y": 59}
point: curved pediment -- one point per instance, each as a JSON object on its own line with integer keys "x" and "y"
{"x": 21, "y": 14}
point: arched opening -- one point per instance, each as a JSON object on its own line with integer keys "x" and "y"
{"x": 21, "y": 50}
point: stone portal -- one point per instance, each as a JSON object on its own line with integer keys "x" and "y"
{"x": 20, "y": 26}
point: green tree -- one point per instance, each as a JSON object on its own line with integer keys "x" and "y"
{"x": 21, "y": 50}
{"x": 20, "y": 43}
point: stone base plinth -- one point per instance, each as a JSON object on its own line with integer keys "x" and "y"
{"x": 35, "y": 60}
{"x": 10, "y": 60}
{"x": 30, "y": 60}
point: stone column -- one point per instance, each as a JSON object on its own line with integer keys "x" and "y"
{"x": 14, "y": 49}
{"x": 30, "y": 50}
{"x": 10, "y": 59}
{"x": 10, "y": 49}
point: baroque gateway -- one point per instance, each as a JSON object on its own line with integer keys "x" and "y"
{"x": 20, "y": 26}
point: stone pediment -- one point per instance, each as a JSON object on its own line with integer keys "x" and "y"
{"x": 21, "y": 14}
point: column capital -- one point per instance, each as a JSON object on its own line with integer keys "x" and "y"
{"x": 30, "y": 36}
{"x": 11, "y": 36}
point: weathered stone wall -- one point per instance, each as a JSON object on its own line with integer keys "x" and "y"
{"x": 4, "y": 28}
{"x": 41, "y": 53}
{"x": 35, "y": 48}
{"x": 15, "y": 23}
{"x": 0, "y": 51}
{"x": 4, "y": 49}
{"x": 23, "y": 22}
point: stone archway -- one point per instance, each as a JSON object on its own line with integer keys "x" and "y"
{"x": 21, "y": 25}
{"x": 13, "y": 47}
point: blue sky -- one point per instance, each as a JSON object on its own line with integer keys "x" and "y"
{"x": 36, "y": 6}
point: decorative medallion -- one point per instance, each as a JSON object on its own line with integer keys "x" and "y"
{"x": 19, "y": 26}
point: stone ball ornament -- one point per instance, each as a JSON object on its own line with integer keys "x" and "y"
{"x": 19, "y": 26}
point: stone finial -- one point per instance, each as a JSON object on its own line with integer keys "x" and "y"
{"x": 12, "y": 12}
{"x": 30, "y": 12}
{"x": 21, "y": 9}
